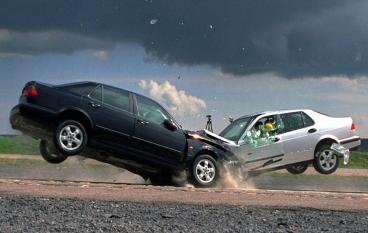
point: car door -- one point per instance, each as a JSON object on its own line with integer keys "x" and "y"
{"x": 263, "y": 150}
{"x": 298, "y": 134}
{"x": 111, "y": 111}
{"x": 151, "y": 136}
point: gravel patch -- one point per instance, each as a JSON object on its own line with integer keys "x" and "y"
{"x": 30, "y": 214}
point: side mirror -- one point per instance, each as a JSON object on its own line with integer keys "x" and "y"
{"x": 170, "y": 125}
{"x": 241, "y": 142}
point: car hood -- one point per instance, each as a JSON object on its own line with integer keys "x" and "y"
{"x": 210, "y": 138}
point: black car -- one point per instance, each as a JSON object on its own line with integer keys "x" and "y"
{"x": 116, "y": 126}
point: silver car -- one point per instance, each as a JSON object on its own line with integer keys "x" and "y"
{"x": 291, "y": 139}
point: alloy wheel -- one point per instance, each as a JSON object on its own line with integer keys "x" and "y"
{"x": 70, "y": 137}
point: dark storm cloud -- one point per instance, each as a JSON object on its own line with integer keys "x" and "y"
{"x": 290, "y": 37}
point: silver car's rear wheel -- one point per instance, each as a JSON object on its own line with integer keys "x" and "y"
{"x": 325, "y": 160}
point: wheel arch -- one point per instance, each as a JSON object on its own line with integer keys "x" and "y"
{"x": 325, "y": 140}
{"x": 211, "y": 153}
{"x": 75, "y": 114}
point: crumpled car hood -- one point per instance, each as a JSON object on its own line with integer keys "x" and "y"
{"x": 210, "y": 138}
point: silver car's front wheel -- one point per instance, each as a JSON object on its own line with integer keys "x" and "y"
{"x": 325, "y": 161}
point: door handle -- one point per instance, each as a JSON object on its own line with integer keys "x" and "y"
{"x": 143, "y": 122}
{"x": 95, "y": 105}
{"x": 276, "y": 139}
{"x": 312, "y": 130}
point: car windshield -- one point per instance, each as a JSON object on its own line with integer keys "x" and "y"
{"x": 235, "y": 130}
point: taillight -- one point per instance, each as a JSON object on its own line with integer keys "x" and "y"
{"x": 30, "y": 91}
{"x": 353, "y": 126}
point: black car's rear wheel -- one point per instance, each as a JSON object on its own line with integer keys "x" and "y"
{"x": 325, "y": 160}
{"x": 70, "y": 137}
{"x": 205, "y": 171}
{"x": 297, "y": 168}
{"x": 50, "y": 153}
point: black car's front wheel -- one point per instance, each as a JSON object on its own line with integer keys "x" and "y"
{"x": 205, "y": 171}
{"x": 50, "y": 153}
{"x": 70, "y": 137}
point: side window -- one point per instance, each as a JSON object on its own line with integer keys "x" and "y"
{"x": 80, "y": 89}
{"x": 96, "y": 94}
{"x": 150, "y": 110}
{"x": 116, "y": 98}
{"x": 263, "y": 131}
{"x": 307, "y": 120}
{"x": 291, "y": 121}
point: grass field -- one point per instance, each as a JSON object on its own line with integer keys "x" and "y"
{"x": 19, "y": 145}
{"x": 26, "y": 145}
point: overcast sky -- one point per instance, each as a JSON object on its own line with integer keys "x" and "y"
{"x": 225, "y": 58}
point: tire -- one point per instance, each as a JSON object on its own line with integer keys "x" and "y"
{"x": 297, "y": 169}
{"x": 50, "y": 153}
{"x": 205, "y": 171}
{"x": 325, "y": 160}
{"x": 70, "y": 137}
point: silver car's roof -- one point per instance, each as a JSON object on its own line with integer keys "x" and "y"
{"x": 276, "y": 112}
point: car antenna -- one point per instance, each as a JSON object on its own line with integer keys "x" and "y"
{"x": 209, "y": 123}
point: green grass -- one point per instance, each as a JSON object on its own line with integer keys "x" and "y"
{"x": 19, "y": 145}
{"x": 358, "y": 159}
{"x": 26, "y": 145}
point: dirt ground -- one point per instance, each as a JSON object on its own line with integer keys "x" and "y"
{"x": 84, "y": 195}
{"x": 148, "y": 193}
{"x": 73, "y": 160}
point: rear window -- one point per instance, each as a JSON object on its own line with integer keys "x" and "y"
{"x": 79, "y": 89}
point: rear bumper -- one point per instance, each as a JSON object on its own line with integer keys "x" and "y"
{"x": 351, "y": 143}
{"x": 33, "y": 121}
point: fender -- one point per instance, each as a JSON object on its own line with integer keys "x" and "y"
{"x": 328, "y": 136}
{"x": 74, "y": 109}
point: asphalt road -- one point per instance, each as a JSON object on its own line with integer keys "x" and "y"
{"x": 35, "y": 214}
{"x": 113, "y": 200}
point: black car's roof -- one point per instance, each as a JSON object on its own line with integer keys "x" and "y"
{"x": 96, "y": 83}
{"x": 76, "y": 84}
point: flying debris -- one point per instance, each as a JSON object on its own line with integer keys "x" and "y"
{"x": 341, "y": 151}
{"x": 153, "y": 21}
